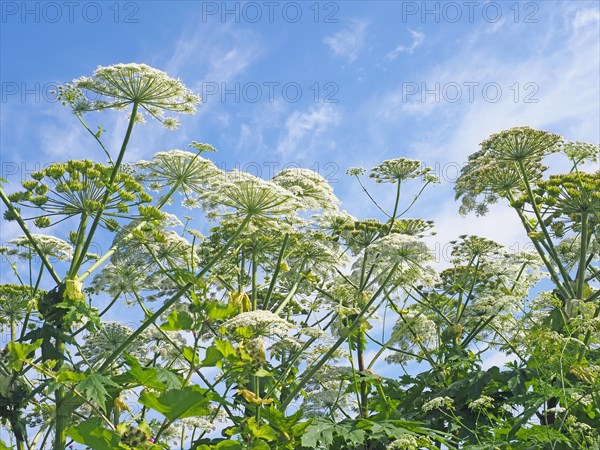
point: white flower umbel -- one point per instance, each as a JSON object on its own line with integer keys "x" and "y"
{"x": 482, "y": 403}
{"x": 412, "y": 331}
{"x": 50, "y": 246}
{"x": 103, "y": 343}
{"x": 402, "y": 248}
{"x": 401, "y": 169}
{"x": 259, "y": 323}
{"x": 121, "y": 85}
{"x": 335, "y": 221}
{"x": 408, "y": 252}
{"x": 156, "y": 344}
{"x": 250, "y": 195}
{"x": 438, "y": 403}
{"x": 405, "y": 442}
{"x": 324, "y": 403}
{"x": 120, "y": 278}
{"x": 309, "y": 187}
{"x": 521, "y": 144}
{"x": 185, "y": 171}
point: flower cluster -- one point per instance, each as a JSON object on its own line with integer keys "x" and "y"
{"x": 482, "y": 403}
{"x": 111, "y": 335}
{"x": 121, "y": 85}
{"x": 15, "y": 301}
{"x": 407, "y": 252}
{"x": 258, "y": 323}
{"x": 78, "y": 188}
{"x": 405, "y": 442}
{"x": 251, "y": 196}
{"x": 412, "y": 332}
{"x": 438, "y": 403}
{"x": 185, "y": 171}
{"x": 567, "y": 197}
{"x": 401, "y": 169}
{"x": 50, "y": 246}
{"x": 521, "y": 144}
{"x": 309, "y": 187}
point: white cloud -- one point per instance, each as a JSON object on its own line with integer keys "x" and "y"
{"x": 219, "y": 54}
{"x": 304, "y": 130}
{"x": 348, "y": 43}
{"x": 417, "y": 39}
{"x": 584, "y": 18}
{"x": 555, "y": 90}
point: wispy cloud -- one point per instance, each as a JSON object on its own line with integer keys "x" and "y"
{"x": 417, "y": 39}
{"x": 304, "y": 130}
{"x": 217, "y": 54}
{"x": 348, "y": 43}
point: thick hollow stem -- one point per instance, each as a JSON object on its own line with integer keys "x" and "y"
{"x": 77, "y": 264}
{"x": 582, "y": 256}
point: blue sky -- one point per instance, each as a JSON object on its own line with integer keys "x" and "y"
{"x": 325, "y": 85}
{"x": 342, "y": 84}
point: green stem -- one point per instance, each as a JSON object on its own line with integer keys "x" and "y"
{"x": 23, "y": 226}
{"x": 30, "y": 307}
{"x": 361, "y": 370}
{"x": 76, "y": 265}
{"x": 79, "y": 244}
{"x": 254, "y": 270}
{"x": 369, "y": 195}
{"x": 582, "y": 255}
{"x": 277, "y": 269}
{"x": 414, "y": 200}
{"x": 287, "y": 299}
{"x": 541, "y": 252}
{"x": 540, "y": 220}
{"x": 94, "y": 136}
{"x": 388, "y": 344}
{"x": 463, "y": 306}
{"x": 396, "y": 202}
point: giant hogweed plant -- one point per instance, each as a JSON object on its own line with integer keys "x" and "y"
{"x": 546, "y": 396}
{"x": 242, "y": 324}
{"x": 260, "y": 323}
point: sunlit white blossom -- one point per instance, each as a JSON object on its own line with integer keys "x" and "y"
{"x": 50, "y": 246}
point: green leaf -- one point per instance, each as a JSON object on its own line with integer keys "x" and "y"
{"x": 190, "y": 355}
{"x": 261, "y": 431}
{"x": 185, "y": 276}
{"x": 218, "y": 311}
{"x": 168, "y": 378}
{"x": 260, "y": 445}
{"x": 67, "y": 375}
{"x": 228, "y": 445}
{"x": 94, "y": 389}
{"x": 319, "y": 434}
{"x": 49, "y": 334}
{"x": 262, "y": 373}
{"x": 226, "y": 348}
{"x": 178, "y": 403}
{"x": 3, "y": 446}
{"x": 178, "y": 320}
{"x": 147, "y": 377}
{"x": 92, "y": 434}
{"x": 22, "y": 352}
{"x": 144, "y": 376}
{"x": 213, "y": 356}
